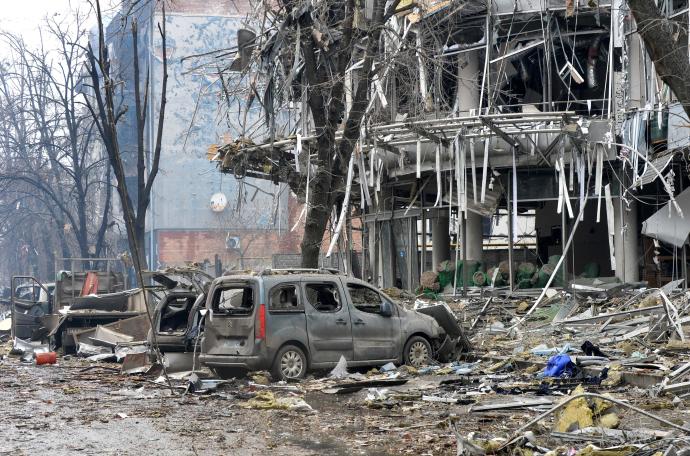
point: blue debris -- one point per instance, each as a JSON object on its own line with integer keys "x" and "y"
{"x": 559, "y": 366}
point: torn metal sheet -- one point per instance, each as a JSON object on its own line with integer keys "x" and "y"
{"x": 667, "y": 225}
{"x": 107, "y": 337}
{"x": 511, "y": 405}
{"x": 87, "y": 350}
{"x": 136, "y": 363}
{"x": 660, "y": 162}
{"x": 178, "y": 362}
{"x": 487, "y": 205}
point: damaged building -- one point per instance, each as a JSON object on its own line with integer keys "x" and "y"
{"x": 195, "y": 213}
{"x": 523, "y": 138}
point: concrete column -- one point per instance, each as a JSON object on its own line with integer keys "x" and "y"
{"x": 475, "y": 237}
{"x": 625, "y": 245}
{"x": 468, "y": 92}
{"x": 440, "y": 240}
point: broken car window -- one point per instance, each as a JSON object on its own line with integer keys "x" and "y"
{"x": 364, "y": 298}
{"x": 323, "y": 297}
{"x": 175, "y": 314}
{"x": 284, "y": 299}
{"x": 234, "y": 300}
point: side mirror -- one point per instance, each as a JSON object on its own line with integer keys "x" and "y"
{"x": 386, "y": 309}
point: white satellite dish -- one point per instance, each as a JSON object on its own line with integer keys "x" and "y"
{"x": 218, "y": 202}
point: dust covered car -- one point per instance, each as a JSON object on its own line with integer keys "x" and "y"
{"x": 293, "y": 321}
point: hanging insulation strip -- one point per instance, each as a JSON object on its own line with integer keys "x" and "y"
{"x": 514, "y": 198}
{"x": 610, "y": 223}
{"x": 484, "y": 170}
{"x": 345, "y": 206}
{"x": 474, "y": 171}
{"x": 439, "y": 184}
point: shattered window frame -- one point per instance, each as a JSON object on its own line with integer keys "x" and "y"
{"x": 298, "y": 308}
{"x": 370, "y": 309}
{"x": 215, "y": 302}
{"x": 337, "y": 295}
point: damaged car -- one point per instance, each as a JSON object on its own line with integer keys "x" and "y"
{"x": 294, "y": 321}
{"x": 177, "y": 318}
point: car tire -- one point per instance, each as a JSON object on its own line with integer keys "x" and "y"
{"x": 290, "y": 364}
{"x": 417, "y": 351}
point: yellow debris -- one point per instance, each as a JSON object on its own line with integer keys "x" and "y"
{"x": 263, "y": 400}
{"x": 614, "y": 376}
{"x": 591, "y": 450}
{"x": 575, "y": 415}
{"x": 627, "y": 348}
{"x": 609, "y": 421}
{"x": 650, "y": 301}
{"x": 532, "y": 369}
{"x": 678, "y": 345}
{"x": 601, "y": 405}
{"x": 267, "y": 400}
{"x": 261, "y": 378}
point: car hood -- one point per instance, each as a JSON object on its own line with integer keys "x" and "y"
{"x": 442, "y": 315}
{"x": 420, "y": 317}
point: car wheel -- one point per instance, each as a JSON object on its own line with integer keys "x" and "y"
{"x": 290, "y": 364}
{"x": 417, "y": 351}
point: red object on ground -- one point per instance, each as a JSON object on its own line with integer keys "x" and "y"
{"x": 90, "y": 284}
{"x": 46, "y": 358}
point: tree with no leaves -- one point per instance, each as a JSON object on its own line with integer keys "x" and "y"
{"x": 49, "y": 149}
{"x": 322, "y": 54}
{"x": 106, "y": 113}
{"x": 666, "y": 40}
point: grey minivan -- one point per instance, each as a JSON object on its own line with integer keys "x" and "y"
{"x": 290, "y": 322}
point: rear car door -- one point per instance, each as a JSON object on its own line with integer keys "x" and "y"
{"x": 30, "y": 300}
{"x": 229, "y": 327}
{"x": 376, "y": 337}
{"x": 328, "y": 321}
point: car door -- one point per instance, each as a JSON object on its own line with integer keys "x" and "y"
{"x": 229, "y": 324}
{"x": 328, "y": 321}
{"x": 375, "y": 337}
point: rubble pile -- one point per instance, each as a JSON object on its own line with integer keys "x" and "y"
{"x": 598, "y": 368}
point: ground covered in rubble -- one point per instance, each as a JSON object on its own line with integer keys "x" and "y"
{"x": 580, "y": 377}
{"x": 77, "y": 407}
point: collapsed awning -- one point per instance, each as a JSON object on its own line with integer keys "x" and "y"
{"x": 667, "y": 225}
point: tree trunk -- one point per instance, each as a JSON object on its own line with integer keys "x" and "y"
{"x": 666, "y": 41}
{"x": 140, "y": 233}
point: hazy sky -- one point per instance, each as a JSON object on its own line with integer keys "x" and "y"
{"x": 25, "y": 16}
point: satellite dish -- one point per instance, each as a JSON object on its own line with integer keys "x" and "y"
{"x": 218, "y": 202}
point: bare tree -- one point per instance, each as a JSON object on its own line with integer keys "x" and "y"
{"x": 49, "y": 149}
{"x": 106, "y": 113}
{"x": 323, "y": 55}
{"x": 666, "y": 40}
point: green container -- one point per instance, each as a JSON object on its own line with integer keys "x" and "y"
{"x": 525, "y": 271}
{"x": 544, "y": 274}
{"x": 524, "y": 283}
{"x": 445, "y": 274}
{"x": 591, "y": 270}
{"x": 500, "y": 279}
{"x": 480, "y": 279}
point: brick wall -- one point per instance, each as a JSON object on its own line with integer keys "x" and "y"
{"x": 175, "y": 247}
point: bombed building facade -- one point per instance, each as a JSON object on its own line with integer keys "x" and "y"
{"x": 527, "y": 135}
